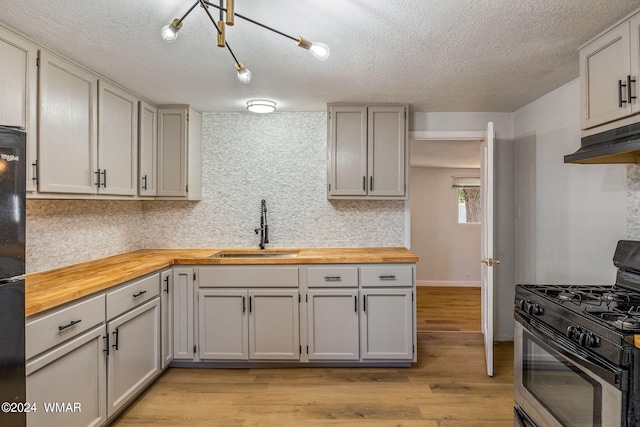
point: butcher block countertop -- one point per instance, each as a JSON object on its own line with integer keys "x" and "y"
{"x": 53, "y": 288}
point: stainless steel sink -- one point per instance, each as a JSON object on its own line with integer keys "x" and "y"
{"x": 255, "y": 255}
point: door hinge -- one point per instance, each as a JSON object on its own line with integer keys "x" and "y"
{"x": 187, "y": 116}
{"x": 299, "y": 298}
{"x": 194, "y": 276}
{"x": 411, "y": 296}
{"x": 37, "y": 62}
{"x": 329, "y": 187}
{"x": 186, "y": 188}
{"x": 413, "y": 349}
{"x": 194, "y": 349}
{"x": 300, "y": 349}
{"x": 307, "y": 349}
{"x": 306, "y": 298}
{"x": 329, "y": 114}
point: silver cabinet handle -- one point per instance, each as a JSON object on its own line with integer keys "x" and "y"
{"x": 389, "y": 277}
{"x": 332, "y": 278}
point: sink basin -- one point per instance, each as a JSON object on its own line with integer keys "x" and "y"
{"x": 224, "y": 254}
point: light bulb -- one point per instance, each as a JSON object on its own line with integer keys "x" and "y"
{"x": 244, "y": 75}
{"x": 169, "y": 32}
{"x": 319, "y": 50}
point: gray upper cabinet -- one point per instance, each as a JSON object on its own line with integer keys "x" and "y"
{"x": 367, "y": 151}
{"x": 179, "y": 153}
{"x": 609, "y": 67}
{"x": 67, "y": 147}
{"x": 148, "y": 140}
{"x": 117, "y": 140}
{"x": 18, "y": 92}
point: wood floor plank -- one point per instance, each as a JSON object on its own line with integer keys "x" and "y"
{"x": 447, "y": 387}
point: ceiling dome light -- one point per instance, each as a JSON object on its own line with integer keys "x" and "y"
{"x": 169, "y": 32}
{"x": 261, "y": 106}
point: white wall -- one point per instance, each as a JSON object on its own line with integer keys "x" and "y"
{"x": 571, "y": 216}
{"x": 449, "y": 252}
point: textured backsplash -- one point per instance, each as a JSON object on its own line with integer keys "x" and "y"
{"x": 279, "y": 157}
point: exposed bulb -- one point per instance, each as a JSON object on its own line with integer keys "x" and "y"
{"x": 319, "y": 50}
{"x": 169, "y": 32}
{"x": 244, "y": 75}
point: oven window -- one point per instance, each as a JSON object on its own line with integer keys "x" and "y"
{"x": 569, "y": 394}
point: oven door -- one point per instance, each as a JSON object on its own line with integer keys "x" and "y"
{"x": 556, "y": 385}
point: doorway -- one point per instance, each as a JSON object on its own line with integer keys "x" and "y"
{"x": 445, "y": 232}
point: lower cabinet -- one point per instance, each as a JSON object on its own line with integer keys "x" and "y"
{"x": 68, "y": 384}
{"x": 134, "y": 357}
{"x": 88, "y": 359}
{"x": 332, "y": 324}
{"x": 386, "y": 327}
{"x": 166, "y": 317}
{"x": 183, "y": 314}
{"x": 255, "y": 324}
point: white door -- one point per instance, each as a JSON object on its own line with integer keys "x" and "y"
{"x": 486, "y": 196}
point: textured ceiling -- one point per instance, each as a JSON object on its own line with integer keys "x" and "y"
{"x": 438, "y": 55}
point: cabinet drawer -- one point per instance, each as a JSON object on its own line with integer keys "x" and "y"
{"x": 52, "y": 329}
{"x": 132, "y": 295}
{"x": 386, "y": 276}
{"x": 248, "y": 277}
{"x": 332, "y": 277}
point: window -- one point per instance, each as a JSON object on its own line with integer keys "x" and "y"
{"x": 468, "y": 198}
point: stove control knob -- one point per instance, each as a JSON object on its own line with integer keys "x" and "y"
{"x": 572, "y": 332}
{"x": 534, "y": 309}
{"x": 590, "y": 340}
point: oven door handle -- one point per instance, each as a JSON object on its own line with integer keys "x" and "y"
{"x": 603, "y": 369}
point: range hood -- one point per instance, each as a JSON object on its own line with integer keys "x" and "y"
{"x": 620, "y": 145}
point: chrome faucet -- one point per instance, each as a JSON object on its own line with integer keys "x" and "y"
{"x": 264, "y": 228}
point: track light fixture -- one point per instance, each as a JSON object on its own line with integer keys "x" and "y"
{"x": 170, "y": 33}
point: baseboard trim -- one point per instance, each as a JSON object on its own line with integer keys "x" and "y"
{"x": 469, "y": 284}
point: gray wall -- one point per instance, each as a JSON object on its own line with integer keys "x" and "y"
{"x": 449, "y": 252}
{"x": 570, "y": 216}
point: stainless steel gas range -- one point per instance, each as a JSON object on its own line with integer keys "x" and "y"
{"x": 577, "y": 350}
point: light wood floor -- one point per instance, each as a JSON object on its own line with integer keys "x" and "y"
{"x": 447, "y": 386}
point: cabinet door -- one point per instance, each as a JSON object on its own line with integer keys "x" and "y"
{"x": 166, "y": 316}
{"x": 134, "y": 354}
{"x": 603, "y": 63}
{"x": 73, "y": 374}
{"x": 386, "y": 328}
{"x": 18, "y": 92}
{"x": 148, "y": 140}
{"x": 386, "y": 153}
{"x": 117, "y": 140}
{"x": 347, "y": 151}
{"x": 67, "y": 127}
{"x": 333, "y": 324}
{"x": 274, "y": 324}
{"x": 635, "y": 62}
{"x": 172, "y": 152}
{"x": 223, "y": 330}
{"x": 183, "y": 315}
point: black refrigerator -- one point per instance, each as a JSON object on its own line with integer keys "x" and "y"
{"x": 12, "y": 268}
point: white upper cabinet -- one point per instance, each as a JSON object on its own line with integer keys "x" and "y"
{"x": 367, "y": 151}
{"x": 117, "y": 140}
{"x": 18, "y": 92}
{"x": 148, "y": 141}
{"x": 67, "y": 147}
{"x": 179, "y": 153}
{"x": 609, "y": 67}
